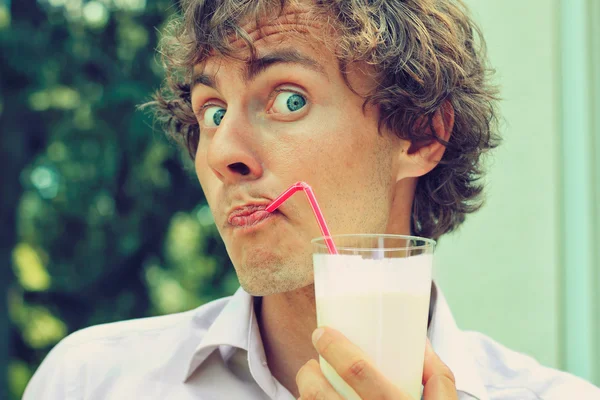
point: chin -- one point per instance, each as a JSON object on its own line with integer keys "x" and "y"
{"x": 261, "y": 276}
{"x": 261, "y": 288}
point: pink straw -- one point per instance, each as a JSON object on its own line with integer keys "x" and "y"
{"x": 315, "y": 207}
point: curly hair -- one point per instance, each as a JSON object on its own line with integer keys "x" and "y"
{"x": 425, "y": 53}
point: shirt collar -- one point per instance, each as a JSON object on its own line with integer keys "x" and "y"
{"x": 236, "y": 328}
{"x": 229, "y": 331}
{"x": 449, "y": 343}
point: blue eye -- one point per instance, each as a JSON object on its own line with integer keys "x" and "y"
{"x": 213, "y": 116}
{"x": 289, "y": 102}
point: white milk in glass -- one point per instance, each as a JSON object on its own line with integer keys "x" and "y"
{"x": 381, "y": 306}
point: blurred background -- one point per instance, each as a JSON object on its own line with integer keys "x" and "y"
{"x": 102, "y": 219}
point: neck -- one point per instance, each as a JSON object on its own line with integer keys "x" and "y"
{"x": 286, "y": 322}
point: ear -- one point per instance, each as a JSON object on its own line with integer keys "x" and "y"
{"x": 418, "y": 158}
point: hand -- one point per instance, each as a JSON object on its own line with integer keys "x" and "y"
{"x": 354, "y": 367}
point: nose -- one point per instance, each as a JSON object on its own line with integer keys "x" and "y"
{"x": 232, "y": 154}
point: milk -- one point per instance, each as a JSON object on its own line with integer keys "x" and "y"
{"x": 382, "y": 307}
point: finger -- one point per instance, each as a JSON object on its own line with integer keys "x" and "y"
{"x": 438, "y": 379}
{"x": 313, "y": 385}
{"x": 354, "y": 366}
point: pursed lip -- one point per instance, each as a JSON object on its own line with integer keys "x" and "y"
{"x": 248, "y": 215}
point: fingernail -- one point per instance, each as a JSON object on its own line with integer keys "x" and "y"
{"x": 317, "y": 335}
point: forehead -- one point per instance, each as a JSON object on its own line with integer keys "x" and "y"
{"x": 294, "y": 27}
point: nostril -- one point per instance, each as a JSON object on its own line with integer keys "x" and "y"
{"x": 240, "y": 168}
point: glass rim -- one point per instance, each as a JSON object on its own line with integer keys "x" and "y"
{"x": 429, "y": 243}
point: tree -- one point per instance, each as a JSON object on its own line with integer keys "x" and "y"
{"x": 103, "y": 218}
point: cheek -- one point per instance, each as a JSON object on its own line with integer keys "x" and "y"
{"x": 355, "y": 146}
{"x": 359, "y": 166}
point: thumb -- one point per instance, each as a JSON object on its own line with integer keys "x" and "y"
{"x": 438, "y": 380}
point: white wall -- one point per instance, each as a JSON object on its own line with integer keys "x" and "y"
{"x": 525, "y": 270}
{"x": 501, "y": 271}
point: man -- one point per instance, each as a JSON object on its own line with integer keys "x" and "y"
{"x": 384, "y": 108}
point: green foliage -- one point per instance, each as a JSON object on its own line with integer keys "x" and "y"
{"x": 103, "y": 218}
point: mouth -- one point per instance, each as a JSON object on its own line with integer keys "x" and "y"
{"x": 250, "y": 216}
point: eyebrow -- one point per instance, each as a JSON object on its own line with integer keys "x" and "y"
{"x": 259, "y": 65}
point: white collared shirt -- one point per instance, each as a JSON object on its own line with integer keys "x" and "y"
{"x": 215, "y": 352}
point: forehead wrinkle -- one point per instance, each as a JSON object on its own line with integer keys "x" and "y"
{"x": 292, "y": 21}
